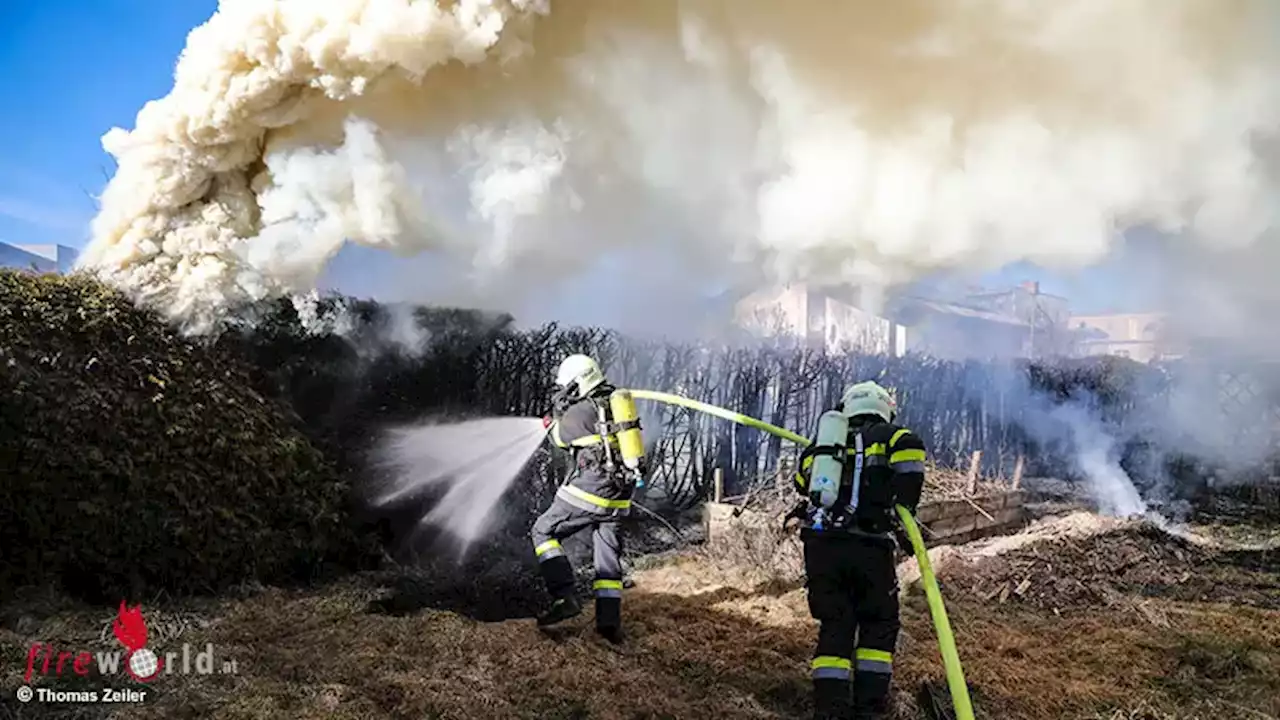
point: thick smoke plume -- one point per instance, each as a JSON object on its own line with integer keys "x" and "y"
{"x": 866, "y": 142}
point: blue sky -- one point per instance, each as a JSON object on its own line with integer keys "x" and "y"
{"x": 71, "y": 71}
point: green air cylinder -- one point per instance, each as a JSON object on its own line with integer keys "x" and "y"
{"x": 828, "y": 467}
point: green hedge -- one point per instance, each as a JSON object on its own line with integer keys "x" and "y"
{"x": 137, "y": 461}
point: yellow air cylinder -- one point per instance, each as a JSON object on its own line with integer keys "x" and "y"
{"x": 630, "y": 443}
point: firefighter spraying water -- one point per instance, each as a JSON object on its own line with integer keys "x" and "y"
{"x": 598, "y": 425}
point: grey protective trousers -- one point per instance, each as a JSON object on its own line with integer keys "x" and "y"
{"x": 562, "y": 521}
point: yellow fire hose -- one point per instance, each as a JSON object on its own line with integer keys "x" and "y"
{"x": 937, "y": 609}
{"x": 720, "y": 413}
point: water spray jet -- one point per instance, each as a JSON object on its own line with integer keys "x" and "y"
{"x": 468, "y": 466}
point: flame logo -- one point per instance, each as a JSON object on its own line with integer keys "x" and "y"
{"x": 131, "y": 630}
{"x": 129, "y": 627}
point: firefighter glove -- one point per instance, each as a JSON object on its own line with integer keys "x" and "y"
{"x": 797, "y": 513}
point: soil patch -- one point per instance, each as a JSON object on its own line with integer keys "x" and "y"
{"x": 1070, "y": 574}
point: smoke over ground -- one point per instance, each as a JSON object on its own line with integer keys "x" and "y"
{"x": 1075, "y": 431}
{"x": 758, "y": 141}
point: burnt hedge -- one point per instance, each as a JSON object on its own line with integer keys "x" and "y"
{"x": 472, "y": 364}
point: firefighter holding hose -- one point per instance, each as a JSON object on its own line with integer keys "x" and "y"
{"x": 599, "y": 426}
{"x": 859, "y": 467}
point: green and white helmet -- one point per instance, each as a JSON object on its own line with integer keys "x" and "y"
{"x": 868, "y": 398}
{"x": 582, "y": 371}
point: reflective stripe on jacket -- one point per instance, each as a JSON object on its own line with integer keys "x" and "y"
{"x": 591, "y": 487}
{"x": 892, "y": 474}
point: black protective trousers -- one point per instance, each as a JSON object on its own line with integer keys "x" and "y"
{"x": 558, "y": 523}
{"x": 853, "y": 594}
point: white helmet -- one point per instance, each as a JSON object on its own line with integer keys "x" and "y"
{"x": 582, "y": 370}
{"x": 868, "y": 398}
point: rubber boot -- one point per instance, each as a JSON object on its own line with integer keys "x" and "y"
{"x": 831, "y": 700}
{"x": 612, "y": 633}
{"x": 609, "y": 618}
{"x": 562, "y": 609}
{"x": 871, "y": 696}
{"x": 558, "y": 575}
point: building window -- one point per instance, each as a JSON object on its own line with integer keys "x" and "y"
{"x": 1122, "y": 353}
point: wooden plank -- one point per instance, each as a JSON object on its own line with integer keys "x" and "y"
{"x": 962, "y": 518}
{"x": 1000, "y": 519}
{"x": 943, "y": 528}
{"x": 718, "y": 493}
{"x": 957, "y": 539}
{"x": 953, "y": 526}
{"x": 929, "y": 512}
{"x": 718, "y": 518}
{"x": 941, "y": 511}
{"x": 991, "y": 504}
{"x": 960, "y": 538}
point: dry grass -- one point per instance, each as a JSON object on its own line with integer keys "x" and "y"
{"x": 943, "y": 483}
{"x": 1210, "y": 662}
{"x": 705, "y": 642}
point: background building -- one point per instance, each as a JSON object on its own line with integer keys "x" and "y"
{"x": 954, "y": 331}
{"x": 818, "y": 320}
{"x": 38, "y": 258}
{"x": 1045, "y": 316}
{"x": 1018, "y": 322}
{"x": 1138, "y": 336}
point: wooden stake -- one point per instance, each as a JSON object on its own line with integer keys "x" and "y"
{"x": 973, "y": 472}
{"x": 718, "y": 492}
{"x": 1017, "y": 473}
{"x": 783, "y": 479}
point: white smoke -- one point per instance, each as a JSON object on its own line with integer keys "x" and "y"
{"x": 861, "y": 142}
{"x": 1095, "y": 454}
{"x": 396, "y": 331}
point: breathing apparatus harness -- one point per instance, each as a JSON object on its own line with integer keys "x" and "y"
{"x": 616, "y": 417}
{"x": 827, "y": 506}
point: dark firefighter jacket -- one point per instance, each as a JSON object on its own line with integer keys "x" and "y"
{"x": 591, "y": 487}
{"x": 892, "y": 474}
